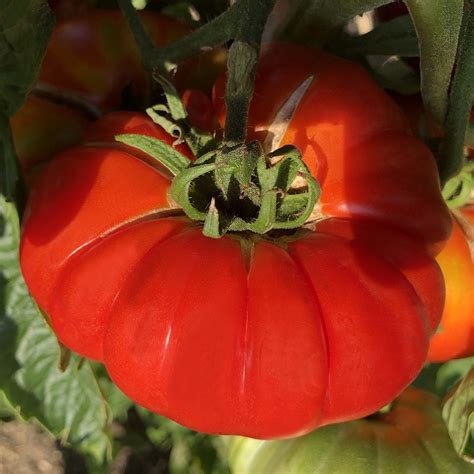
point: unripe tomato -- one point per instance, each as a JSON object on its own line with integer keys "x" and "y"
{"x": 410, "y": 438}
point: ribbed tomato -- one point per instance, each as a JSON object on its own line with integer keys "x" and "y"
{"x": 224, "y": 336}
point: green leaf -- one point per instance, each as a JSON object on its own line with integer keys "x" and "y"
{"x": 25, "y": 28}
{"x": 451, "y": 373}
{"x": 437, "y": 23}
{"x": 315, "y": 21}
{"x": 69, "y": 404}
{"x": 461, "y": 96}
{"x": 191, "y": 452}
{"x": 9, "y": 170}
{"x": 458, "y": 412}
{"x": 395, "y": 37}
{"x": 469, "y": 138}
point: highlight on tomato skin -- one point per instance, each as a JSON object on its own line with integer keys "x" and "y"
{"x": 145, "y": 293}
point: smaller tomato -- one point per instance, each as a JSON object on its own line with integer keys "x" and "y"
{"x": 455, "y": 335}
{"x": 90, "y": 65}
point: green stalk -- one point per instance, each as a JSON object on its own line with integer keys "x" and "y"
{"x": 451, "y": 156}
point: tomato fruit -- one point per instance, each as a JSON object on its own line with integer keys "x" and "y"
{"x": 91, "y": 64}
{"x": 411, "y": 437}
{"x": 455, "y": 335}
{"x": 225, "y": 335}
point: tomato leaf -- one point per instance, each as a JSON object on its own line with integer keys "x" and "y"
{"x": 458, "y": 412}
{"x": 395, "y": 37}
{"x": 451, "y": 153}
{"x": 9, "y": 169}
{"x": 437, "y": 23}
{"x": 69, "y": 404}
{"x": 315, "y": 21}
{"x": 25, "y": 28}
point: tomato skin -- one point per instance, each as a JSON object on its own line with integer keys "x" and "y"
{"x": 251, "y": 336}
{"x": 455, "y": 336}
{"x": 355, "y": 140}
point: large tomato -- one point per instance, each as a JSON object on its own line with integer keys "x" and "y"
{"x": 225, "y": 335}
{"x": 411, "y": 437}
{"x": 91, "y": 66}
{"x": 455, "y": 335}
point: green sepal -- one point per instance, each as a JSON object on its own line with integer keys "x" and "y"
{"x": 212, "y": 227}
{"x": 165, "y": 154}
{"x": 180, "y": 189}
{"x": 236, "y": 165}
{"x": 243, "y": 172}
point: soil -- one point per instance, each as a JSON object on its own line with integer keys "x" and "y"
{"x": 26, "y": 449}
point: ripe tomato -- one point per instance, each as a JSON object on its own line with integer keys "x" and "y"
{"x": 455, "y": 335}
{"x": 91, "y": 64}
{"x": 225, "y": 335}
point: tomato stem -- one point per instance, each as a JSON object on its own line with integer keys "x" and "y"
{"x": 244, "y": 23}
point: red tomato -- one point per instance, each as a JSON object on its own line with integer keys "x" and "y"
{"x": 455, "y": 335}
{"x": 355, "y": 140}
{"x": 258, "y": 337}
{"x": 91, "y": 63}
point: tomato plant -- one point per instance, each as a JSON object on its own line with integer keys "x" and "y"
{"x": 242, "y": 366}
{"x": 263, "y": 255}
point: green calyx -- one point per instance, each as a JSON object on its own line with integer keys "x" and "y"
{"x": 236, "y": 187}
{"x": 457, "y": 190}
